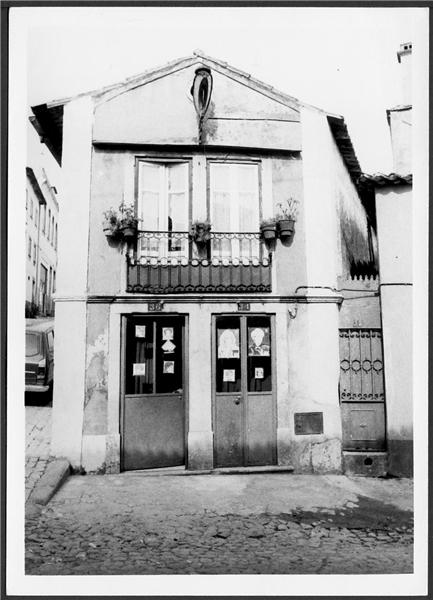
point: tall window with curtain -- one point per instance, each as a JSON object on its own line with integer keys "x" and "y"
{"x": 163, "y": 206}
{"x": 234, "y": 207}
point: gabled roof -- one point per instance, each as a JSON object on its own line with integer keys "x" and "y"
{"x": 199, "y": 58}
{"x": 48, "y": 119}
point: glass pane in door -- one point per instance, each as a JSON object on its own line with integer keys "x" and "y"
{"x": 177, "y": 209}
{"x": 259, "y": 366}
{"x": 228, "y": 355}
{"x": 150, "y": 204}
{"x": 221, "y": 213}
{"x": 139, "y": 357}
{"x": 168, "y": 352}
{"x": 248, "y": 207}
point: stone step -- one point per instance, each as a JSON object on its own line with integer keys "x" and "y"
{"x": 219, "y": 471}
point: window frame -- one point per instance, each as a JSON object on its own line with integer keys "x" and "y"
{"x": 163, "y": 160}
{"x": 234, "y": 160}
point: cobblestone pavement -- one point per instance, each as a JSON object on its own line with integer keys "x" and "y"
{"x": 273, "y": 523}
{"x": 38, "y": 437}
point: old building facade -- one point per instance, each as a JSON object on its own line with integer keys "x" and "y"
{"x": 394, "y": 209}
{"x": 226, "y": 350}
{"x": 42, "y": 213}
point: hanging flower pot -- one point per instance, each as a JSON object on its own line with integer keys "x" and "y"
{"x": 129, "y": 232}
{"x": 268, "y": 229}
{"x": 286, "y": 227}
{"x": 200, "y": 232}
{"x": 286, "y": 218}
{"x": 128, "y": 222}
{"x": 110, "y": 224}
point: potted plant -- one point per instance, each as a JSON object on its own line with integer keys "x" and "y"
{"x": 200, "y": 231}
{"x": 111, "y": 224}
{"x": 128, "y": 222}
{"x": 286, "y": 217}
{"x": 268, "y": 229}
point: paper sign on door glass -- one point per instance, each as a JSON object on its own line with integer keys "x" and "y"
{"x": 258, "y": 373}
{"x": 168, "y": 347}
{"x": 228, "y": 343}
{"x": 258, "y": 341}
{"x": 139, "y": 369}
{"x": 229, "y": 375}
{"x": 167, "y": 333}
{"x": 140, "y": 331}
{"x": 168, "y": 366}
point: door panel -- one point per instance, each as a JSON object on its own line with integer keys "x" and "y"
{"x": 363, "y": 426}
{"x": 244, "y": 423}
{"x": 153, "y": 432}
{"x": 228, "y": 431}
{"x": 260, "y": 430}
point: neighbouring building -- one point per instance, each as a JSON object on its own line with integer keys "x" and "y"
{"x": 42, "y": 215}
{"x": 393, "y": 194}
{"x": 179, "y": 346}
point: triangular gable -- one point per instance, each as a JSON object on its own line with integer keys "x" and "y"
{"x": 158, "y": 109}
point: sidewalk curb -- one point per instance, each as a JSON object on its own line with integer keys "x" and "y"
{"x": 56, "y": 473}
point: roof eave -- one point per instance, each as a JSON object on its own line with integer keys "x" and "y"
{"x": 48, "y": 122}
{"x": 35, "y": 185}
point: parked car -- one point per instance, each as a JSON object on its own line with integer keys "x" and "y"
{"x": 39, "y": 355}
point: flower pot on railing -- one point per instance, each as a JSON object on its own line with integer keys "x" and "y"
{"x": 129, "y": 232}
{"x": 268, "y": 230}
{"x": 200, "y": 232}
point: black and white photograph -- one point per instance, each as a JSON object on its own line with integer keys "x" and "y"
{"x": 217, "y": 300}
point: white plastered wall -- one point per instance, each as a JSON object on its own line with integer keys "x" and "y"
{"x": 70, "y": 319}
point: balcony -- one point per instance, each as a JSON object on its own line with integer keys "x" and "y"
{"x": 165, "y": 262}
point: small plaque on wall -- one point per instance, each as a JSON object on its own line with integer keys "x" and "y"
{"x": 308, "y": 423}
{"x": 155, "y": 306}
{"x": 244, "y": 306}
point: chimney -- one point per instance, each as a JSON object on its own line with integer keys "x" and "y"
{"x": 404, "y": 56}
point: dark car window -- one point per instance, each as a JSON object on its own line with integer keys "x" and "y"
{"x": 33, "y": 344}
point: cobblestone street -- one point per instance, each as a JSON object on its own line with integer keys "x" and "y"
{"x": 38, "y": 432}
{"x": 272, "y": 523}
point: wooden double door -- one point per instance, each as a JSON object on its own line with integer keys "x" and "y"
{"x": 244, "y": 411}
{"x": 153, "y": 399}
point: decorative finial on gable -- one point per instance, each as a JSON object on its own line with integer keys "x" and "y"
{"x": 198, "y": 52}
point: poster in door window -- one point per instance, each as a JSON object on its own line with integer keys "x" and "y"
{"x": 140, "y": 331}
{"x": 168, "y": 367}
{"x": 229, "y": 375}
{"x": 167, "y": 333}
{"x": 139, "y": 369}
{"x": 258, "y": 373}
{"x": 228, "y": 343}
{"x": 258, "y": 341}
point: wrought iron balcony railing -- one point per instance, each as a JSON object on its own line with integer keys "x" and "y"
{"x": 171, "y": 262}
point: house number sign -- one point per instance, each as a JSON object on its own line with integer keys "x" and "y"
{"x": 155, "y": 306}
{"x": 244, "y": 306}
